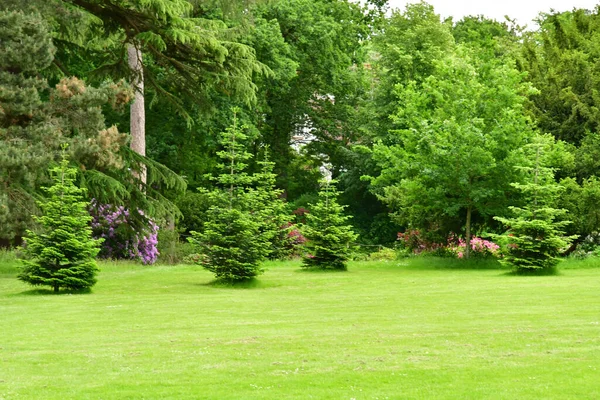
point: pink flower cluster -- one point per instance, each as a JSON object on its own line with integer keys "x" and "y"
{"x": 479, "y": 247}
{"x": 414, "y": 241}
{"x": 121, "y": 240}
{"x": 297, "y": 238}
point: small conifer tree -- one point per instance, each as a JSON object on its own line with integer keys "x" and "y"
{"x": 328, "y": 236}
{"x": 233, "y": 243}
{"x": 276, "y": 220}
{"x": 63, "y": 254}
{"x": 535, "y": 236}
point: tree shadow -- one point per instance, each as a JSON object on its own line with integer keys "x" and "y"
{"x": 442, "y": 263}
{"x": 50, "y": 292}
{"x": 251, "y": 283}
{"x": 534, "y": 272}
{"x": 317, "y": 270}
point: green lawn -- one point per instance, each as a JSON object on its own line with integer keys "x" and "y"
{"x": 397, "y": 330}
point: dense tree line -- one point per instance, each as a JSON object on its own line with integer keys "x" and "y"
{"x": 424, "y": 123}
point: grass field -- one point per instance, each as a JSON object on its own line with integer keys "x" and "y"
{"x": 414, "y": 329}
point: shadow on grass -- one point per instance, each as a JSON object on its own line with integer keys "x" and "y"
{"x": 251, "y": 283}
{"x": 50, "y": 292}
{"x": 534, "y": 272}
{"x": 437, "y": 263}
{"x": 317, "y": 270}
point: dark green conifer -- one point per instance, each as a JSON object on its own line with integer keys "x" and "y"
{"x": 535, "y": 233}
{"x": 233, "y": 243}
{"x": 329, "y": 236}
{"x": 62, "y": 254}
{"x": 273, "y": 210}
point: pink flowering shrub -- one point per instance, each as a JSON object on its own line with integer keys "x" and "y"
{"x": 121, "y": 241}
{"x": 455, "y": 246}
{"x": 294, "y": 239}
{"x": 479, "y": 247}
{"x": 414, "y": 242}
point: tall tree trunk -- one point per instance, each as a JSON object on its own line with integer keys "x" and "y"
{"x": 468, "y": 234}
{"x": 137, "y": 112}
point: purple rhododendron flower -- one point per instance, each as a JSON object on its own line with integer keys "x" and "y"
{"x": 121, "y": 240}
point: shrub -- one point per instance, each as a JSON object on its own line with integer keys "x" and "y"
{"x": 588, "y": 247}
{"x": 272, "y": 210}
{"x": 193, "y": 207}
{"x": 413, "y": 242}
{"x": 295, "y": 239}
{"x": 63, "y": 254}
{"x": 121, "y": 239}
{"x": 479, "y": 247}
{"x": 171, "y": 249}
{"x": 383, "y": 254}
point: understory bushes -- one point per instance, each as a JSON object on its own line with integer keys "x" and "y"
{"x": 121, "y": 239}
{"x": 412, "y": 242}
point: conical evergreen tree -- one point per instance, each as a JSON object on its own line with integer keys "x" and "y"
{"x": 535, "y": 234}
{"x": 63, "y": 254}
{"x": 329, "y": 237}
{"x": 233, "y": 242}
{"x": 274, "y": 215}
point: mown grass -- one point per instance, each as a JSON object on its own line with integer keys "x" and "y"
{"x": 412, "y": 329}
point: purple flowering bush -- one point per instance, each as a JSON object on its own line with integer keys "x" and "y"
{"x": 121, "y": 240}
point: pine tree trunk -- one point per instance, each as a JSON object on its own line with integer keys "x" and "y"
{"x": 468, "y": 234}
{"x": 137, "y": 112}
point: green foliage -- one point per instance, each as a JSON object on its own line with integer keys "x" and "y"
{"x": 37, "y": 119}
{"x": 187, "y": 56}
{"x": 582, "y": 203}
{"x": 561, "y": 61}
{"x": 315, "y": 50}
{"x": 63, "y": 254}
{"x": 411, "y": 44}
{"x": 27, "y": 48}
{"x": 449, "y": 162}
{"x": 535, "y": 236}
{"x": 329, "y": 238}
{"x": 487, "y": 35}
{"x": 273, "y": 211}
{"x": 383, "y": 254}
{"x": 234, "y": 241}
{"x": 193, "y": 207}
{"x": 172, "y": 250}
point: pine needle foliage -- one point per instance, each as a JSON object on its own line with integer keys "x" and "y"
{"x": 233, "y": 243}
{"x": 36, "y": 119}
{"x": 328, "y": 235}
{"x": 272, "y": 208}
{"x": 535, "y": 234}
{"x": 63, "y": 254}
{"x": 186, "y": 56}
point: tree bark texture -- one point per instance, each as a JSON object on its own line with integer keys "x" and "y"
{"x": 137, "y": 111}
{"x": 468, "y": 234}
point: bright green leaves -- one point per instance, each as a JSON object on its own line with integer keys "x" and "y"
{"x": 453, "y": 149}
